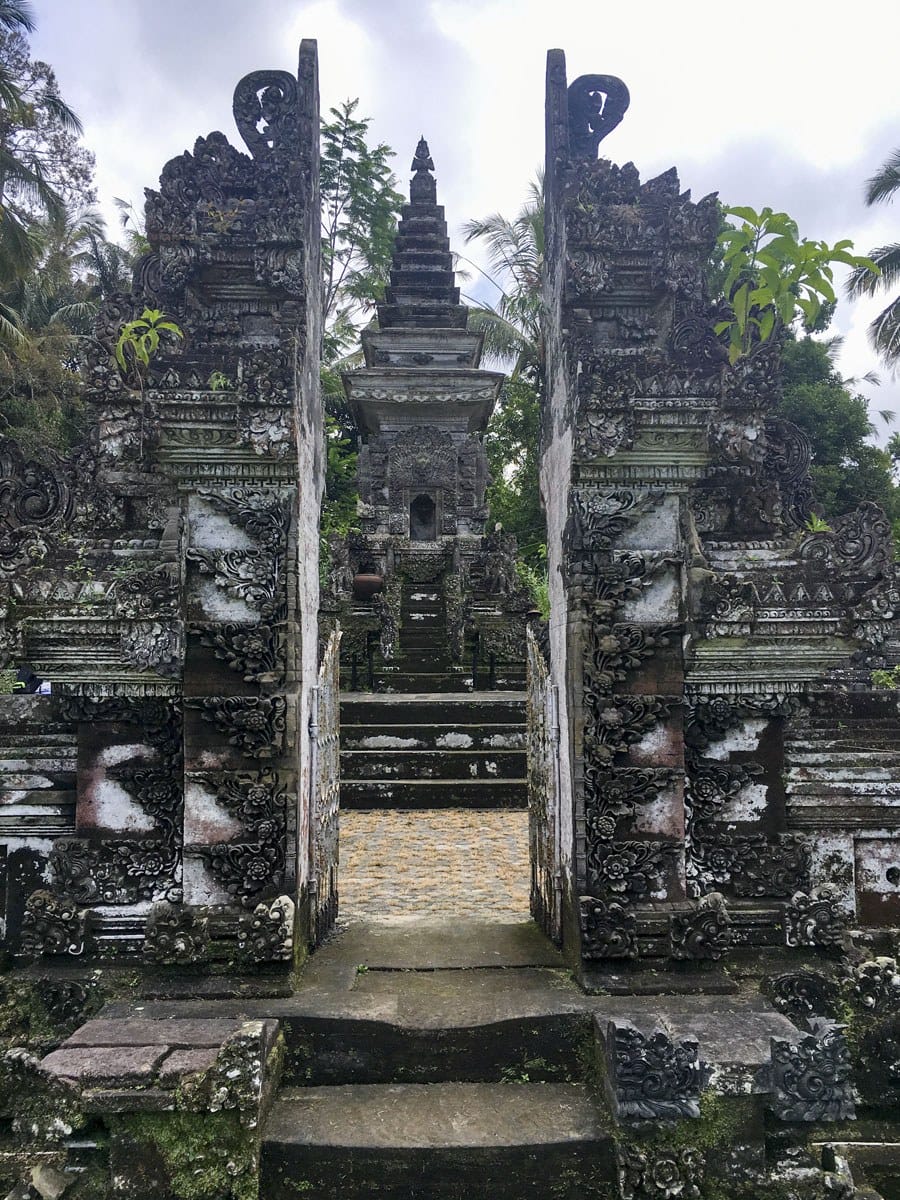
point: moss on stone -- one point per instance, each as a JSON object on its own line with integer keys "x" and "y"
{"x": 208, "y": 1156}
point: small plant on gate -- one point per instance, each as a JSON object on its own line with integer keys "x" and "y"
{"x": 139, "y": 340}
{"x": 817, "y": 524}
{"x": 138, "y": 343}
{"x": 889, "y": 678}
{"x": 774, "y": 279}
{"x": 219, "y": 382}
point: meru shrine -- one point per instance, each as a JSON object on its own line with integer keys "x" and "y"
{"x": 705, "y": 1001}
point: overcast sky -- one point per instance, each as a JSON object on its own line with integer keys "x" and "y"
{"x": 791, "y": 105}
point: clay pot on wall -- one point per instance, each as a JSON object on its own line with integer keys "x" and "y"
{"x": 366, "y": 585}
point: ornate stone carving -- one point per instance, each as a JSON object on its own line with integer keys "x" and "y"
{"x": 265, "y": 112}
{"x": 769, "y": 867}
{"x": 694, "y": 342}
{"x": 153, "y": 646}
{"x": 652, "y": 1076}
{"x": 604, "y": 433}
{"x": 116, "y": 871}
{"x": 267, "y": 431}
{"x": 256, "y": 724}
{"x": 803, "y": 994}
{"x": 32, "y": 494}
{"x": 160, "y": 720}
{"x": 422, "y": 457}
{"x": 630, "y": 869}
{"x": 810, "y": 1081}
{"x": 597, "y": 104}
{"x": 598, "y": 517}
{"x": 266, "y": 934}
{"x": 786, "y": 465}
{"x": 150, "y": 593}
{"x": 253, "y": 576}
{"x": 876, "y": 985}
{"x": 176, "y": 936}
{"x": 247, "y": 869}
{"x": 660, "y": 1173}
{"x": 614, "y": 723}
{"x": 702, "y": 934}
{"x": 608, "y": 929}
{"x": 860, "y": 543}
{"x": 615, "y": 650}
{"x": 612, "y": 794}
{"x": 52, "y": 925}
{"x": 257, "y": 652}
{"x": 816, "y": 919}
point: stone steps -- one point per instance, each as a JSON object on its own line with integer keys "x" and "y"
{"x": 434, "y": 793}
{"x": 435, "y": 764}
{"x": 441, "y": 1061}
{"x": 481, "y": 708}
{"x": 456, "y": 736}
{"x": 858, "y": 772}
{"x": 440, "y": 1141}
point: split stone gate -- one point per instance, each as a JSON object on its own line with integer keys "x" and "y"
{"x": 710, "y": 768}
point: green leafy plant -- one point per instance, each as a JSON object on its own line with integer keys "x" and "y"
{"x": 886, "y": 678}
{"x": 773, "y": 278}
{"x": 219, "y": 382}
{"x": 537, "y": 584}
{"x": 139, "y": 340}
{"x": 817, "y": 524}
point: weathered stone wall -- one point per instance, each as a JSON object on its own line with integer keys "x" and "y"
{"x": 164, "y": 579}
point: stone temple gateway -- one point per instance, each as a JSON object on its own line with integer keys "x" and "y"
{"x": 707, "y": 1003}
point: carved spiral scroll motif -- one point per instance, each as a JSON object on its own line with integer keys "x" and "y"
{"x": 265, "y": 111}
{"x": 597, "y": 104}
{"x": 31, "y": 494}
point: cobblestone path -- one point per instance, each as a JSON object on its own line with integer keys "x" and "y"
{"x": 434, "y": 863}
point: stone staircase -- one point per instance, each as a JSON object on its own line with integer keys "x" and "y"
{"x": 433, "y": 750}
{"x": 423, "y": 740}
{"x": 843, "y": 767}
{"x": 38, "y": 762}
{"x": 438, "y": 1061}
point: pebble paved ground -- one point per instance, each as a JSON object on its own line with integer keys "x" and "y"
{"x": 434, "y": 863}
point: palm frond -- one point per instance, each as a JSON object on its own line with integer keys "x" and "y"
{"x": 884, "y": 333}
{"x": 863, "y": 282}
{"x": 11, "y": 336}
{"x": 16, "y": 16}
{"x": 886, "y": 180}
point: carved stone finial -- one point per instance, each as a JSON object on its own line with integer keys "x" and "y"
{"x": 422, "y": 160}
{"x": 597, "y": 104}
{"x": 265, "y": 111}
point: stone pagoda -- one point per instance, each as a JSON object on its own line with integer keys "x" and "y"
{"x": 422, "y": 403}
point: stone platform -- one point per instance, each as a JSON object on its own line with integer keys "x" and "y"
{"x": 431, "y": 1058}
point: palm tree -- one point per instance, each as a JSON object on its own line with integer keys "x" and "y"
{"x": 512, "y": 326}
{"x": 884, "y": 331}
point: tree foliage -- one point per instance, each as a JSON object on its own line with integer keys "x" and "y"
{"x": 513, "y": 339}
{"x": 846, "y": 468}
{"x": 359, "y": 224}
{"x": 360, "y": 206}
{"x": 55, "y": 261}
{"x": 773, "y": 279}
{"x": 515, "y": 249}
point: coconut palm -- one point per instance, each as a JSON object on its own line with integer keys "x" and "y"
{"x": 884, "y": 331}
{"x": 512, "y": 326}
